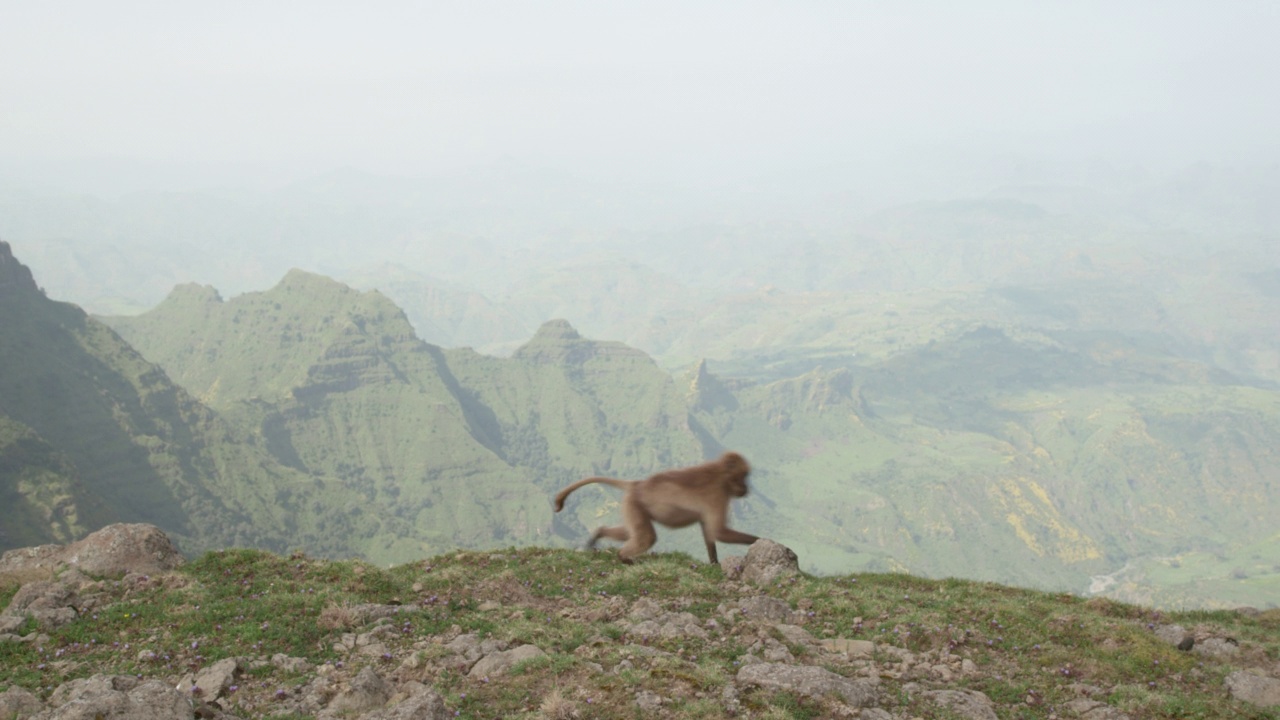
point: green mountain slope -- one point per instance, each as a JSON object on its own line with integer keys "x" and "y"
{"x": 1023, "y": 460}
{"x": 336, "y": 384}
{"x": 565, "y": 407}
{"x": 452, "y": 449}
{"x": 41, "y": 493}
{"x": 1010, "y": 451}
{"x": 91, "y": 433}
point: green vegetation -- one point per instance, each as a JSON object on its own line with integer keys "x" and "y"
{"x": 1031, "y": 652}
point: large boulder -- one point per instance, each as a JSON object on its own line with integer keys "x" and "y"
{"x": 119, "y": 697}
{"x": 810, "y": 681}
{"x": 1254, "y": 687}
{"x": 765, "y": 563}
{"x": 17, "y": 702}
{"x": 113, "y": 551}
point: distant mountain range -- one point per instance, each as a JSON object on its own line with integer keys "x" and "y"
{"x": 989, "y": 439}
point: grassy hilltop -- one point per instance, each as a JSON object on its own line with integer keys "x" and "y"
{"x": 666, "y": 637}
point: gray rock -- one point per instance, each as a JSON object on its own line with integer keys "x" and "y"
{"x": 374, "y": 649}
{"x": 119, "y": 697}
{"x": 471, "y": 648}
{"x": 370, "y": 612}
{"x": 51, "y": 603}
{"x": 682, "y": 624}
{"x": 650, "y": 701}
{"x": 367, "y": 691}
{"x": 796, "y": 635}
{"x": 763, "y": 607}
{"x": 112, "y": 551}
{"x": 645, "y": 629}
{"x": 969, "y": 704}
{"x": 1086, "y": 690}
{"x": 41, "y": 595}
{"x": 426, "y": 704}
{"x": 1217, "y": 647}
{"x": 314, "y": 696}
{"x": 731, "y": 566}
{"x": 1254, "y": 688}
{"x": 767, "y": 561}
{"x": 499, "y": 663}
{"x": 209, "y": 711}
{"x": 17, "y": 702}
{"x": 852, "y": 648}
{"x": 214, "y": 680}
{"x": 291, "y": 664}
{"x": 771, "y": 650}
{"x": 1172, "y": 634}
{"x": 668, "y": 625}
{"x": 808, "y": 680}
{"x": 730, "y": 699}
{"x": 1094, "y": 710}
{"x": 55, "y": 618}
{"x": 644, "y": 609}
{"x": 632, "y": 650}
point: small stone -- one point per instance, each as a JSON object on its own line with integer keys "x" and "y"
{"x": 1218, "y": 647}
{"x": 368, "y": 691}
{"x": 969, "y": 704}
{"x": 650, "y": 701}
{"x": 499, "y": 663}
{"x": 852, "y": 648}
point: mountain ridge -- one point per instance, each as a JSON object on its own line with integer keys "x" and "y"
{"x": 381, "y": 445}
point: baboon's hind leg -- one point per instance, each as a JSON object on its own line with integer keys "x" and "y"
{"x": 643, "y": 537}
{"x": 615, "y": 532}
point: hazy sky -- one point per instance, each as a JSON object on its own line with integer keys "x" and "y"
{"x": 632, "y": 89}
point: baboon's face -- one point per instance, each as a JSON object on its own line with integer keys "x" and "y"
{"x": 738, "y": 485}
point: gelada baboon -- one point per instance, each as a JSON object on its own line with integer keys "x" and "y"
{"x": 675, "y": 498}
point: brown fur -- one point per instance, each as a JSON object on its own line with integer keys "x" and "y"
{"x": 676, "y": 499}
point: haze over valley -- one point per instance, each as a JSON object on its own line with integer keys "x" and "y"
{"x": 991, "y": 294}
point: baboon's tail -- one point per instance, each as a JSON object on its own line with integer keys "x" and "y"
{"x": 560, "y": 496}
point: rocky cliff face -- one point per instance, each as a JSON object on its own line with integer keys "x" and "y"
{"x": 92, "y": 433}
{"x": 15, "y": 278}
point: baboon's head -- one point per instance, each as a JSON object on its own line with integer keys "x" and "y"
{"x": 735, "y": 469}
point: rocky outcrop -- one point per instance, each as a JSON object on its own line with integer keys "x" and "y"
{"x": 765, "y": 563}
{"x": 15, "y": 278}
{"x": 496, "y": 664}
{"x": 112, "y": 551}
{"x": 64, "y": 589}
{"x": 1254, "y": 687}
{"x": 968, "y": 704}
{"x": 809, "y": 681}
{"x": 17, "y": 702}
{"x": 117, "y": 697}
